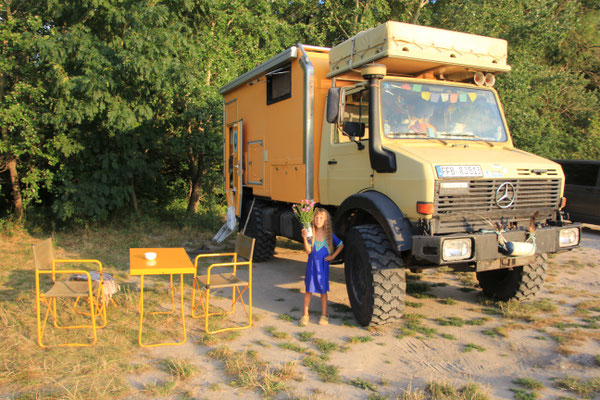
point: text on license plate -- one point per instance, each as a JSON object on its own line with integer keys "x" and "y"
{"x": 458, "y": 171}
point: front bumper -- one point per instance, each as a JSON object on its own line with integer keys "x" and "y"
{"x": 485, "y": 252}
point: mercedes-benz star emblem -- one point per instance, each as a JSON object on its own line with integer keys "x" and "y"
{"x": 505, "y": 195}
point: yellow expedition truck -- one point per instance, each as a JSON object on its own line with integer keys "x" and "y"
{"x": 400, "y": 135}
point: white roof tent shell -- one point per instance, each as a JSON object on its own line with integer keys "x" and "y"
{"x": 412, "y": 50}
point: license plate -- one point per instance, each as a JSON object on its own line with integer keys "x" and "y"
{"x": 458, "y": 171}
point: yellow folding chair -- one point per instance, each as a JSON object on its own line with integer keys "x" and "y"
{"x": 244, "y": 248}
{"x": 90, "y": 290}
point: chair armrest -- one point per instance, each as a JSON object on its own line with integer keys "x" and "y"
{"x": 212, "y": 255}
{"x": 230, "y": 264}
{"x": 76, "y": 261}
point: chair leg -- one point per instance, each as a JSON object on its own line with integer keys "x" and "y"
{"x": 236, "y": 297}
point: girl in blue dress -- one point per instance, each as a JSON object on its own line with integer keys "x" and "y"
{"x": 321, "y": 248}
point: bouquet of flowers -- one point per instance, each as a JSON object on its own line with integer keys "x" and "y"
{"x": 305, "y": 211}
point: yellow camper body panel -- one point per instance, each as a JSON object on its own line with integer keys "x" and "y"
{"x": 273, "y": 157}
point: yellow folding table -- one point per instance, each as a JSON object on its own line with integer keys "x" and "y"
{"x": 169, "y": 261}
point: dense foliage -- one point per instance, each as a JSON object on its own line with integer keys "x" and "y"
{"x": 110, "y": 106}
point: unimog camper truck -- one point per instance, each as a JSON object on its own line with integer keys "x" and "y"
{"x": 400, "y": 135}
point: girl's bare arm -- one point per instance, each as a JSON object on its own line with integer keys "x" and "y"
{"x": 307, "y": 246}
{"x": 335, "y": 253}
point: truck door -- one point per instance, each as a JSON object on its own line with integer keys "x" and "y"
{"x": 348, "y": 168}
{"x": 234, "y": 173}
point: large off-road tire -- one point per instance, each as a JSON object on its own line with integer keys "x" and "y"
{"x": 520, "y": 283}
{"x": 264, "y": 246}
{"x": 375, "y": 278}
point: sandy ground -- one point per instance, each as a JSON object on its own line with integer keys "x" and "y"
{"x": 394, "y": 364}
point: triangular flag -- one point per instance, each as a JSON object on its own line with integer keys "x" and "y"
{"x": 444, "y": 97}
{"x": 425, "y": 96}
{"x": 416, "y": 88}
{"x": 462, "y": 97}
{"x": 472, "y": 96}
{"x": 453, "y": 97}
{"x": 406, "y": 86}
{"x": 435, "y": 97}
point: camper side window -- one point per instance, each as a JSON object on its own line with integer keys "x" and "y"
{"x": 356, "y": 109}
{"x": 279, "y": 84}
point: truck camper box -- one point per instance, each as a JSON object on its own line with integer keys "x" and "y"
{"x": 412, "y": 50}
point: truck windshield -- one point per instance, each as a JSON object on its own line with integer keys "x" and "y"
{"x": 414, "y": 110}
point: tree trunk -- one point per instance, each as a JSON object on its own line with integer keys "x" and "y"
{"x": 421, "y": 4}
{"x": 195, "y": 184}
{"x": 16, "y": 189}
{"x": 11, "y": 164}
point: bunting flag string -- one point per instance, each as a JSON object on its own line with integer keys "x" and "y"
{"x": 459, "y": 97}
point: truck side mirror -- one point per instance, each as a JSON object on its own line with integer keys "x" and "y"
{"x": 333, "y": 104}
{"x": 354, "y": 129}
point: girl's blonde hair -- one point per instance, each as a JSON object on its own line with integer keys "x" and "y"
{"x": 326, "y": 227}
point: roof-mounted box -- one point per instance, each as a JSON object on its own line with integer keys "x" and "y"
{"x": 413, "y": 50}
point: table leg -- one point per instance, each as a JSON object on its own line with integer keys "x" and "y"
{"x": 141, "y": 309}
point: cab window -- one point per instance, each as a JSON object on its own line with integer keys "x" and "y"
{"x": 356, "y": 109}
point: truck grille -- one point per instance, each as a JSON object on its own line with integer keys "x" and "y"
{"x": 468, "y": 210}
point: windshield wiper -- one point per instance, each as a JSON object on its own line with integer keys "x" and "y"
{"x": 423, "y": 134}
{"x": 467, "y": 135}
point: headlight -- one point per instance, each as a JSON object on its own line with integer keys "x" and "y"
{"x": 456, "y": 249}
{"x": 568, "y": 237}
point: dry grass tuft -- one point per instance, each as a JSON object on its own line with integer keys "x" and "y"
{"x": 249, "y": 371}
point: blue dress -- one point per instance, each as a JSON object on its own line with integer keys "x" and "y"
{"x": 317, "y": 269}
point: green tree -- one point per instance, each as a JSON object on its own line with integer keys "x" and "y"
{"x": 551, "y": 97}
{"x": 23, "y": 153}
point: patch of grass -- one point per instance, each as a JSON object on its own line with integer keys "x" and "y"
{"x": 491, "y": 311}
{"x": 521, "y": 394}
{"x": 275, "y": 333}
{"x": 448, "y": 336}
{"x": 326, "y": 346}
{"x": 573, "y": 338}
{"x": 306, "y": 336}
{"x": 564, "y": 325}
{"x": 161, "y": 389}
{"x": 497, "y": 331}
{"x": 457, "y": 321}
{"x": 526, "y": 311}
{"x": 326, "y": 372}
{"x": 286, "y": 317}
{"x": 597, "y": 360}
{"x": 293, "y": 347}
{"x": 413, "y": 288}
{"x": 439, "y": 284}
{"x": 529, "y": 383}
{"x": 467, "y": 278}
{"x": 585, "y": 388}
{"x": 248, "y": 371}
{"x": 412, "y": 327}
{"x": 360, "y": 339}
{"x": 540, "y": 337}
{"x": 363, "y": 384}
{"x": 467, "y": 289}
{"x": 448, "y": 301}
{"x": 472, "y": 346}
{"x": 179, "y": 368}
{"x": 414, "y": 304}
{"x": 294, "y": 290}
